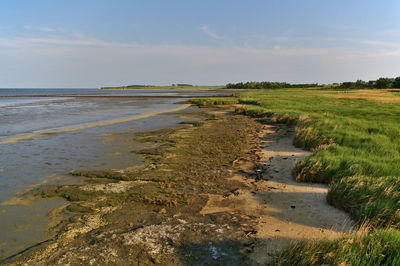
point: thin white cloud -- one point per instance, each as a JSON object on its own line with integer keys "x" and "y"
{"x": 376, "y": 43}
{"x": 81, "y": 61}
{"x": 54, "y": 43}
{"x": 66, "y": 42}
{"x": 39, "y": 28}
{"x": 211, "y": 33}
{"x": 351, "y": 43}
{"x": 24, "y": 43}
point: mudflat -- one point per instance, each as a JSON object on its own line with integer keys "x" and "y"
{"x": 215, "y": 190}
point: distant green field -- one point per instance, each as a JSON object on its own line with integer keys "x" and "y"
{"x": 355, "y": 136}
{"x": 165, "y": 88}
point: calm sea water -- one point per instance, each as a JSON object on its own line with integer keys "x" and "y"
{"x": 97, "y": 92}
{"x": 48, "y": 158}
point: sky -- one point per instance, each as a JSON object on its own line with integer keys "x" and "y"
{"x": 96, "y": 43}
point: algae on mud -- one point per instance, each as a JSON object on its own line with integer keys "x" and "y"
{"x": 151, "y": 213}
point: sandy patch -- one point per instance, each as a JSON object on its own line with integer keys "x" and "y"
{"x": 284, "y": 209}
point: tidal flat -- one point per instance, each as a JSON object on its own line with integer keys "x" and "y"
{"x": 46, "y": 134}
{"x": 151, "y": 213}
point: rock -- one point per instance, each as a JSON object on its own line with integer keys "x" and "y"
{"x": 163, "y": 211}
{"x": 248, "y": 242}
{"x": 235, "y": 191}
{"x": 250, "y": 232}
{"x": 247, "y": 250}
{"x": 156, "y": 260}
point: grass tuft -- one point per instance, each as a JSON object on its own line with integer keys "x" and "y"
{"x": 380, "y": 247}
{"x": 204, "y": 102}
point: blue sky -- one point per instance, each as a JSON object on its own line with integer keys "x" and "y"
{"x": 89, "y": 43}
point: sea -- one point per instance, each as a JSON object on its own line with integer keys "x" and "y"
{"x": 45, "y": 134}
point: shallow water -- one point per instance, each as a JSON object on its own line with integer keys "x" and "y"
{"x": 49, "y": 158}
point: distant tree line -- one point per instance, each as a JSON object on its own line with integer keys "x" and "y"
{"x": 267, "y": 85}
{"x": 381, "y": 83}
{"x": 182, "y": 85}
{"x": 138, "y": 86}
{"x": 128, "y": 87}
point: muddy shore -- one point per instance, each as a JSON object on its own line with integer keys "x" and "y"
{"x": 214, "y": 190}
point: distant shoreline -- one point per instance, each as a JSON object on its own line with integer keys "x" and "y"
{"x": 111, "y": 96}
{"x": 218, "y": 87}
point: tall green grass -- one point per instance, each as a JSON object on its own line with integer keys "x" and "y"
{"x": 350, "y": 137}
{"x": 202, "y": 102}
{"x": 374, "y": 200}
{"x": 378, "y": 248}
{"x": 356, "y": 144}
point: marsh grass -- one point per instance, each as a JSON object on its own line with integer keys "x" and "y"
{"x": 350, "y": 137}
{"x": 355, "y": 137}
{"x": 353, "y": 194}
{"x": 380, "y": 247}
{"x": 202, "y": 102}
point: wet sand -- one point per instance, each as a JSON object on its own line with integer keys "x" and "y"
{"x": 99, "y": 124}
{"x": 42, "y": 152}
{"x": 285, "y": 210}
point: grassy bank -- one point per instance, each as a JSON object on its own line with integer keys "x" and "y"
{"x": 356, "y": 139}
{"x": 380, "y": 247}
